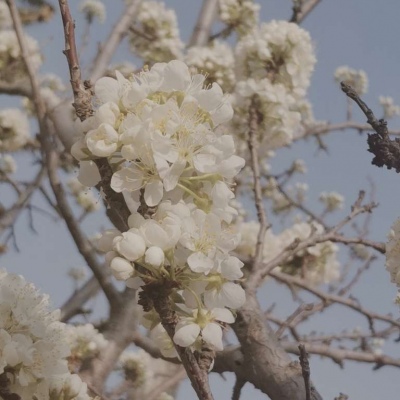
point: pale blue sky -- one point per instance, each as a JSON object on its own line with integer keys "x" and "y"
{"x": 359, "y": 33}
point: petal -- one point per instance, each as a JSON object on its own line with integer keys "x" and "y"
{"x": 153, "y": 193}
{"x": 231, "y": 268}
{"x": 223, "y": 315}
{"x": 233, "y": 295}
{"x": 212, "y": 334}
{"x": 186, "y": 335}
{"x": 107, "y": 89}
{"x": 174, "y": 173}
{"x": 89, "y": 174}
{"x": 176, "y": 76}
{"x": 199, "y": 262}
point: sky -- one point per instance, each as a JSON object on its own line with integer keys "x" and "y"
{"x": 362, "y": 34}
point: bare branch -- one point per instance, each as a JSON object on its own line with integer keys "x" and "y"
{"x": 340, "y": 355}
{"x": 272, "y": 370}
{"x": 258, "y": 198}
{"x": 120, "y": 29}
{"x": 386, "y": 151}
{"x": 8, "y": 218}
{"x": 332, "y": 298}
{"x": 73, "y": 305}
{"x": 305, "y": 369}
{"x": 301, "y": 9}
{"x": 237, "y": 389}
{"x": 202, "y": 30}
{"x": 256, "y": 278}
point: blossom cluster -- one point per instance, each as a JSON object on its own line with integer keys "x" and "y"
{"x": 390, "y": 110}
{"x": 93, "y": 9}
{"x": 241, "y": 15}
{"x": 142, "y": 372}
{"x": 358, "y": 80}
{"x": 83, "y": 195}
{"x": 33, "y": 345}
{"x": 11, "y": 64}
{"x": 7, "y": 164}
{"x": 155, "y": 34}
{"x": 14, "y": 129}
{"x": 85, "y": 342}
{"x": 159, "y": 133}
{"x": 273, "y": 64}
{"x": 331, "y": 200}
{"x": 317, "y": 264}
{"x": 216, "y": 61}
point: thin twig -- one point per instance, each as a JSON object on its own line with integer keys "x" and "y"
{"x": 82, "y": 93}
{"x": 332, "y": 298}
{"x": 303, "y": 10}
{"x": 237, "y": 389}
{"x": 305, "y": 370}
{"x": 255, "y": 165}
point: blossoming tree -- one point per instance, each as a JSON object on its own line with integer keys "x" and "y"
{"x": 175, "y": 156}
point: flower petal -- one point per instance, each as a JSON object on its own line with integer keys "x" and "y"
{"x": 186, "y": 335}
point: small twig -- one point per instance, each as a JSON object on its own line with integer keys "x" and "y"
{"x": 82, "y": 93}
{"x": 237, "y": 389}
{"x": 300, "y": 10}
{"x": 286, "y": 324}
{"x": 332, "y": 298}
{"x": 305, "y": 370}
{"x": 386, "y": 151}
{"x": 379, "y": 126}
{"x": 258, "y": 198}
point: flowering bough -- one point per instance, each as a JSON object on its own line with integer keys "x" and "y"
{"x": 157, "y": 144}
{"x": 159, "y": 134}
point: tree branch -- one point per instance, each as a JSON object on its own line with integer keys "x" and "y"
{"x": 202, "y": 30}
{"x": 258, "y": 197}
{"x": 106, "y": 51}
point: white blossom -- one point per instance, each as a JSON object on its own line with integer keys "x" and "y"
{"x": 14, "y": 129}
{"x": 93, "y": 9}
{"x": 85, "y": 342}
{"x": 389, "y": 108}
{"x": 159, "y": 39}
{"x": 280, "y": 51}
{"x": 241, "y": 15}
{"x": 331, "y": 200}
{"x": 204, "y": 324}
{"x": 33, "y": 343}
{"x": 216, "y": 61}
{"x": 358, "y": 80}
{"x": 11, "y": 64}
{"x": 7, "y": 164}
{"x": 159, "y": 132}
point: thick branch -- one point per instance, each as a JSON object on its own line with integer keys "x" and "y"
{"x": 271, "y": 368}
